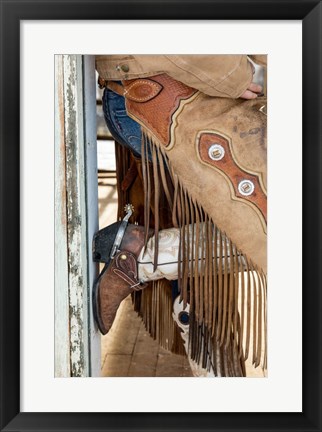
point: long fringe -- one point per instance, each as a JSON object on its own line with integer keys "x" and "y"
{"x": 154, "y": 305}
{"x": 122, "y": 158}
{"x": 227, "y": 293}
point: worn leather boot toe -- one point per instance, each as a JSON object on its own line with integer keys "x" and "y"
{"x": 119, "y": 277}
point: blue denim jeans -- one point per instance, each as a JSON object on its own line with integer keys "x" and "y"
{"x": 123, "y": 129}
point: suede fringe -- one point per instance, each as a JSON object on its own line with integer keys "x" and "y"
{"x": 122, "y": 159}
{"x": 227, "y": 293}
{"x": 154, "y": 305}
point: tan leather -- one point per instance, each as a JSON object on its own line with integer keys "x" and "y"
{"x": 243, "y": 125}
{"x": 231, "y": 170}
{"x": 225, "y": 76}
{"x": 260, "y": 59}
{"x": 239, "y": 220}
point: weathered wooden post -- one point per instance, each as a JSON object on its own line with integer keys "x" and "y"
{"x": 77, "y": 343}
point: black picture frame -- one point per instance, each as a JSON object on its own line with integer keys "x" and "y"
{"x": 12, "y": 12}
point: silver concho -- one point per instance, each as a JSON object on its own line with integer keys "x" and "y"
{"x": 216, "y": 152}
{"x": 246, "y": 187}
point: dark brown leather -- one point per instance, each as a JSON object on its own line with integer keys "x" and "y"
{"x": 119, "y": 278}
{"x": 112, "y": 85}
{"x": 130, "y": 176}
{"x": 157, "y": 112}
{"x": 125, "y": 266}
{"x": 133, "y": 239}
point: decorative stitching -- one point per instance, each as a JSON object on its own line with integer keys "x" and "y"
{"x": 155, "y": 127}
{"x": 136, "y": 84}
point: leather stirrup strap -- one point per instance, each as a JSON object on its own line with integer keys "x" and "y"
{"x": 112, "y": 85}
{"x": 115, "y": 87}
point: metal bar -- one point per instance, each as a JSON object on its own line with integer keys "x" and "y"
{"x": 91, "y": 190}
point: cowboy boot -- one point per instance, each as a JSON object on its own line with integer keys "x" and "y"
{"x": 118, "y": 246}
{"x": 129, "y": 266}
{"x": 119, "y": 277}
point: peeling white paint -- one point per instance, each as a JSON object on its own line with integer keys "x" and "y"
{"x": 81, "y": 223}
